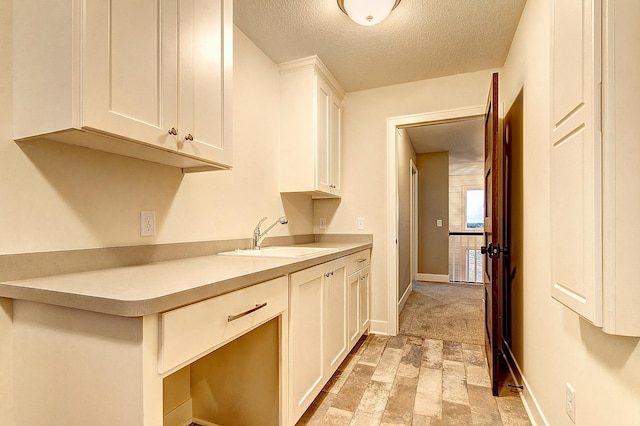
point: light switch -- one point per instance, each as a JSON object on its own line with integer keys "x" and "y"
{"x": 439, "y": 223}
{"x": 361, "y": 224}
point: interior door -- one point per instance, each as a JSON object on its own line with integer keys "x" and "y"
{"x": 494, "y": 227}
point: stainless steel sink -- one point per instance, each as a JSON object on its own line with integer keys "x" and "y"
{"x": 282, "y": 252}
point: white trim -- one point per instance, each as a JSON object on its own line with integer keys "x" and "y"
{"x": 405, "y": 296}
{"x": 437, "y": 278}
{"x": 413, "y": 184}
{"x": 315, "y": 63}
{"x": 379, "y": 327}
{"x": 529, "y": 401}
{"x": 465, "y": 189}
{"x": 392, "y": 228}
{"x": 393, "y": 123}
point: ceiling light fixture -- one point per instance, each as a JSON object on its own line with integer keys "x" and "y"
{"x": 367, "y": 12}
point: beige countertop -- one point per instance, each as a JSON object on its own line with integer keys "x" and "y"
{"x": 135, "y": 291}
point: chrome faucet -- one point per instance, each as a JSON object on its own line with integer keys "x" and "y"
{"x": 257, "y": 235}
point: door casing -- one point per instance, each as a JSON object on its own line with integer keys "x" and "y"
{"x": 393, "y": 124}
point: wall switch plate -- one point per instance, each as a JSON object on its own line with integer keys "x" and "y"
{"x": 439, "y": 223}
{"x": 323, "y": 223}
{"x": 361, "y": 224}
{"x": 571, "y": 403}
{"x": 147, "y": 223}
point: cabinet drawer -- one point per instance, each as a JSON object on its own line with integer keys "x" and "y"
{"x": 194, "y": 330}
{"x": 358, "y": 261}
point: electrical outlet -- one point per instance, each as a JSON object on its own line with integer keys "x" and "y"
{"x": 439, "y": 223}
{"x": 571, "y": 403}
{"x": 323, "y": 223}
{"x": 147, "y": 223}
{"x": 361, "y": 224}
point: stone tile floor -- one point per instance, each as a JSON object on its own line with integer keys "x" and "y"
{"x": 414, "y": 380}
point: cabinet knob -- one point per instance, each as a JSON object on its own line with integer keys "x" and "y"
{"x": 189, "y": 137}
{"x": 173, "y": 131}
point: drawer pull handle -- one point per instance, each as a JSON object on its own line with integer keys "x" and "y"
{"x": 236, "y": 316}
{"x": 361, "y": 260}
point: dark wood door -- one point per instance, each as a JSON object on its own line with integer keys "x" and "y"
{"x": 494, "y": 229}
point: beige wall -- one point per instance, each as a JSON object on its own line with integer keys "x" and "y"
{"x": 57, "y": 197}
{"x": 6, "y": 119}
{"x": 365, "y": 157}
{"x": 406, "y": 153}
{"x": 433, "y": 205}
{"x": 557, "y": 346}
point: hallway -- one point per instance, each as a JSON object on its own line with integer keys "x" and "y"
{"x": 433, "y": 373}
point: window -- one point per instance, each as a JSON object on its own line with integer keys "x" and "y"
{"x": 474, "y": 209}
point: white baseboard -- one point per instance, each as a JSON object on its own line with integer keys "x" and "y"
{"x": 526, "y": 395}
{"x": 379, "y": 327}
{"x": 438, "y": 278}
{"x": 405, "y": 296}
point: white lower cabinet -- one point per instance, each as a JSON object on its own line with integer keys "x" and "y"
{"x": 328, "y": 312}
{"x": 169, "y": 369}
{"x": 363, "y": 300}
{"x": 353, "y": 317}
{"x": 271, "y": 346}
{"x": 317, "y": 330}
{"x": 358, "y": 304}
{"x": 334, "y": 331}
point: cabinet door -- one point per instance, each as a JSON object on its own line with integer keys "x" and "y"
{"x": 363, "y": 295}
{"x": 204, "y": 65}
{"x": 335, "y": 317}
{"x": 323, "y": 114}
{"x": 353, "y": 317}
{"x": 305, "y": 338}
{"x": 129, "y": 69}
{"x": 621, "y": 162}
{"x": 576, "y": 218}
{"x": 335, "y": 146}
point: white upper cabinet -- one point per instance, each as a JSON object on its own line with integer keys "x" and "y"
{"x": 595, "y": 161}
{"x": 150, "y": 80}
{"x": 621, "y": 167}
{"x": 310, "y": 145}
{"x": 575, "y": 158}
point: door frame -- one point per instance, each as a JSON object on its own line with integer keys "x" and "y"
{"x": 413, "y": 188}
{"x": 393, "y": 125}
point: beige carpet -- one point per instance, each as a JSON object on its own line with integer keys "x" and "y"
{"x": 452, "y": 312}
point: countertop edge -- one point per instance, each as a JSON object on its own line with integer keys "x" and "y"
{"x": 169, "y": 301}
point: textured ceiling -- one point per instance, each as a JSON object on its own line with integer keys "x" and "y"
{"x": 421, "y": 39}
{"x": 464, "y": 140}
